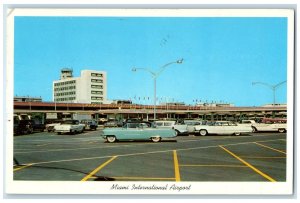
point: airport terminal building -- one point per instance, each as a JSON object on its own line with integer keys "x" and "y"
{"x": 90, "y": 87}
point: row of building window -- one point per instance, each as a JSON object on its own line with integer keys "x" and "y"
{"x": 65, "y": 99}
{"x": 65, "y": 93}
{"x": 97, "y": 98}
{"x": 65, "y": 88}
{"x": 97, "y": 86}
{"x": 97, "y": 80}
{"x": 97, "y": 92}
{"x": 97, "y": 74}
{"x": 65, "y": 83}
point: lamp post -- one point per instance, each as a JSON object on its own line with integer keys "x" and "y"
{"x": 53, "y": 96}
{"x": 155, "y": 76}
{"x": 272, "y": 87}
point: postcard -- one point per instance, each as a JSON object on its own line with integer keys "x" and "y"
{"x": 149, "y": 101}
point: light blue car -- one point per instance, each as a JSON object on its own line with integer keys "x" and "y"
{"x": 137, "y": 131}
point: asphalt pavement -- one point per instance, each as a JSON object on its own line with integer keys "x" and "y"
{"x": 87, "y": 157}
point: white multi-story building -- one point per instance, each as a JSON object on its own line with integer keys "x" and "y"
{"x": 90, "y": 87}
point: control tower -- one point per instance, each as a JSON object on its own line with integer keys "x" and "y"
{"x": 66, "y": 73}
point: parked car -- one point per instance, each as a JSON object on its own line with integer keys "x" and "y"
{"x": 179, "y": 128}
{"x": 69, "y": 126}
{"x": 22, "y": 127}
{"x": 223, "y": 128}
{"x": 89, "y": 124}
{"x": 137, "y": 131}
{"x": 113, "y": 124}
{"x": 191, "y": 125}
{"x": 50, "y": 125}
{"x": 267, "y": 125}
{"x": 198, "y": 127}
{"x": 38, "y": 126}
{"x": 101, "y": 121}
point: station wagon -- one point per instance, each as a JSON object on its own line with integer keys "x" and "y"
{"x": 137, "y": 131}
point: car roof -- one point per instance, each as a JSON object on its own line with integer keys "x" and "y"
{"x": 164, "y": 121}
{"x": 138, "y": 122}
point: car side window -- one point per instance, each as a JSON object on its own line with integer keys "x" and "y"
{"x": 132, "y": 125}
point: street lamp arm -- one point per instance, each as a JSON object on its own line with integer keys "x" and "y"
{"x": 262, "y": 83}
{"x": 279, "y": 84}
{"x": 272, "y": 87}
{"x": 268, "y": 85}
{"x": 145, "y": 69}
{"x": 164, "y": 66}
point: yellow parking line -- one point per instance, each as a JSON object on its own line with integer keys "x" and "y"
{"x": 249, "y": 165}
{"x": 25, "y": 166}
{"x": 130, "y": 154}
{"x": 270, "y": 148}
{"x": 207, "y": 165}
{"x": 143, "y": 178}
{"x": 176, "y": 166}
{"x": 98, "y": 169}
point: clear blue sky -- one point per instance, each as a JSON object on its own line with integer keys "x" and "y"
{"x": 222, "y": 56}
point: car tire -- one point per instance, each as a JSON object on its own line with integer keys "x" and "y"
{"x": 156, "y": 139}
{"x": 254, "y": 129}
{"x": 203, "y": 132}
{"x": 111, "y": 139}
{"x": 237, "y": 133}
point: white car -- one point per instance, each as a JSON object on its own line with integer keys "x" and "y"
{"x": 277, "y": 127}
{"x": 69, "y": 126}
{"x": 223, "y": 128}
{"x": 179, "y": 128}
{"x": 191, "y": 125}
{"x": 50, "y": 127}
{"x": 248, "y": 123}
{"x": 267, "y": 125}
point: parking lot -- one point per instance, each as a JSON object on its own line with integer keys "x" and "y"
{"x": 88, "y": 157}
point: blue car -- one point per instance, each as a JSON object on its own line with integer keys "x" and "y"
{"x": 137, "y": 131}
